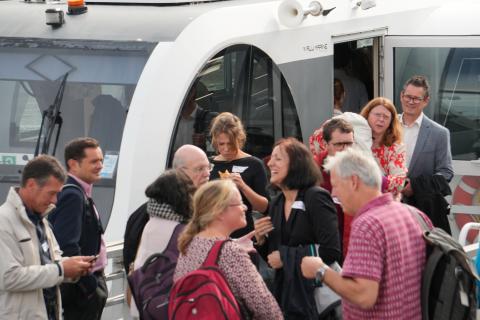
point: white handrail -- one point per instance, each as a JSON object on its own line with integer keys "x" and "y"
{"x": 462, "y": 237}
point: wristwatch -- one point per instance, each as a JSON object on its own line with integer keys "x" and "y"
{"x": 320, "y": 274}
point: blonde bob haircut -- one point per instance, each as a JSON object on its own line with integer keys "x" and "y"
{"x": 231, "y": 125}
{"x": 394, "y": 130}
{"x": 209, "y": 201}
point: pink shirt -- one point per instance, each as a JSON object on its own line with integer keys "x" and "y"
{"x": 386, "y": 246}
{"x": 102, "y": 254}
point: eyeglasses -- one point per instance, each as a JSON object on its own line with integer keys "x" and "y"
{"x": 413, "y": 99}
{"x": 342, "y": 144}
{"x": 202, "y": 169}
{"x": 381, "y": 116}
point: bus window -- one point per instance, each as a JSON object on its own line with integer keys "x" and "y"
{"x": 455, "y": 91}
{"x": 102, "y": 76}
{"x": 242, "y": 80}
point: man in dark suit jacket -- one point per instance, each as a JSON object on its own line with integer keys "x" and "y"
{"x": 427, "y": 142}
{"x": 78, "y": 229}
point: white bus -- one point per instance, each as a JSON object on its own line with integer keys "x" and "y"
{"x": 131, "y": 66}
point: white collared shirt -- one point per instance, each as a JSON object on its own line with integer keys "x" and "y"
{"x": 410, "y": 135}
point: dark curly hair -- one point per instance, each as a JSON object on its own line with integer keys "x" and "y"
{"x": 175, "y": 188}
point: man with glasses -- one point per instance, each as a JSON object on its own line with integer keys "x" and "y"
{"x": 337, "y": 135}
{"x": 429, "y": 156}
{"x": 194, "y": 162}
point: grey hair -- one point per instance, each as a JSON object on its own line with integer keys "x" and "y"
{"x": 355, "y": 162}
{"x": 178, "y": 162}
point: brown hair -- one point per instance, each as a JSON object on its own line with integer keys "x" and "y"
{"x": 418, "y": 81}
{"x": 41, "y": 168}
{"x": 210, "y": 200}
{"x": 335, "y": 124}
{"x": 394, "y": 130}
{"x": 232, "y": 126}
{"x": 338, "y": 91}
{"x": 303, "y": 172}
{"x": 75, "y": 149}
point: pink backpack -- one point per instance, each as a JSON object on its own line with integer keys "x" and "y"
{"x": 204, "y": 293}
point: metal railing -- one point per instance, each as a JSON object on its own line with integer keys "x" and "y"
{"x": 115, "y": 307}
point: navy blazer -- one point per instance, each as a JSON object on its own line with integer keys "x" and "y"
{"x": 76, "y": 227}
{"x": 432, "y": 154}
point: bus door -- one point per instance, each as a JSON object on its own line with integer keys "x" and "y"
{"x": 452, "y": 66}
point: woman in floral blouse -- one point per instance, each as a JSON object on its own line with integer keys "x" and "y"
{"x": 387, "y": 147}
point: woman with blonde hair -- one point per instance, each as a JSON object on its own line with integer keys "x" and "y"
{"x": 387, "y": 147}
{"x": 247, "y": 171}
{"x": 218, "y": 210}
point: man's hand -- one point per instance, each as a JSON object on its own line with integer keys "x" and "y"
{"x": 407, "y": 190}
{"x": 310, "y": 266}
{"x": 274, "y": 260}
{"x": 78, "y": 266}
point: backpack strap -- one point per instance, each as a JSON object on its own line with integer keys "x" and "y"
{"x": 419, "y": 218}
{"x": 172, "y": 243}
{"x": 71, "y": 185}
{"x": 171, "y": 246}
{"x": 214, "y": 254}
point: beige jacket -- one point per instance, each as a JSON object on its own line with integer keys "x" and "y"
{"x": 22, "y": 277}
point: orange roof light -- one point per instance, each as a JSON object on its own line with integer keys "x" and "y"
{"x": 76, "y": 6}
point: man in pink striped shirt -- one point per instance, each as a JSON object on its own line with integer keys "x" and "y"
{"x": 386, "y": 255}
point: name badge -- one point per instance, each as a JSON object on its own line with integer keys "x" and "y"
{"x": 45, "y": 246}
{"x": 298, "y": 205}
{"x": 238, "y": 169}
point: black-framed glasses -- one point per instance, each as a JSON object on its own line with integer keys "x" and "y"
{"x": 343, "y": 144}
{"x": 413, "y": 99}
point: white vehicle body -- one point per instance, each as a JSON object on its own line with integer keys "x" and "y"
{"x": 183, "y": 38}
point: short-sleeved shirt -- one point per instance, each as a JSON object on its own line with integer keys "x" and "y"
{"x": 386, "y": 246}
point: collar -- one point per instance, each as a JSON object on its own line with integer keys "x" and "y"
{"x": 377, "y": 202}
{"x": 85, "y": 186}
{"x": 417, "y": 121}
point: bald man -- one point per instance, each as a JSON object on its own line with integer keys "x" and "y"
{"x": 194, "y": 162}
{"x": 190, "y": 159}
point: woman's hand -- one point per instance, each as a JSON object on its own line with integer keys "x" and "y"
{"x": 262, "y": 227}
{"x": 274, "y": 260}
{"x": 246, "y": 242}
{"x": 237, "y": 179}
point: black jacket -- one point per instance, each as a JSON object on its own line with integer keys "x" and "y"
{"x": 133, "y": 234}
{"x": 428, "y": 197}
{"x": 76, "y": 227}
{"x": 315, "y": 224}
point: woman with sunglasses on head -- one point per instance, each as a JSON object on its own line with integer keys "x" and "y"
{"x": 387, "y": 147}
{"x": 301, "y": 217}
{"x": 247, "y": 171}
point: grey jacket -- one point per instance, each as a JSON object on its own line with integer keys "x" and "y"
{"x": 22, "y": 277}
{"x": 432, "y": 154}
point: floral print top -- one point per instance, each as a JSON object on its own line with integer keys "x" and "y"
{"x": 392, "y": 163}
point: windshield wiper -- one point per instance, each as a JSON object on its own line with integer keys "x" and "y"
{"x": 50, "y": 119}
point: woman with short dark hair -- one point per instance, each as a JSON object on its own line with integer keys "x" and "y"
{"x": 301, "y": 215}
